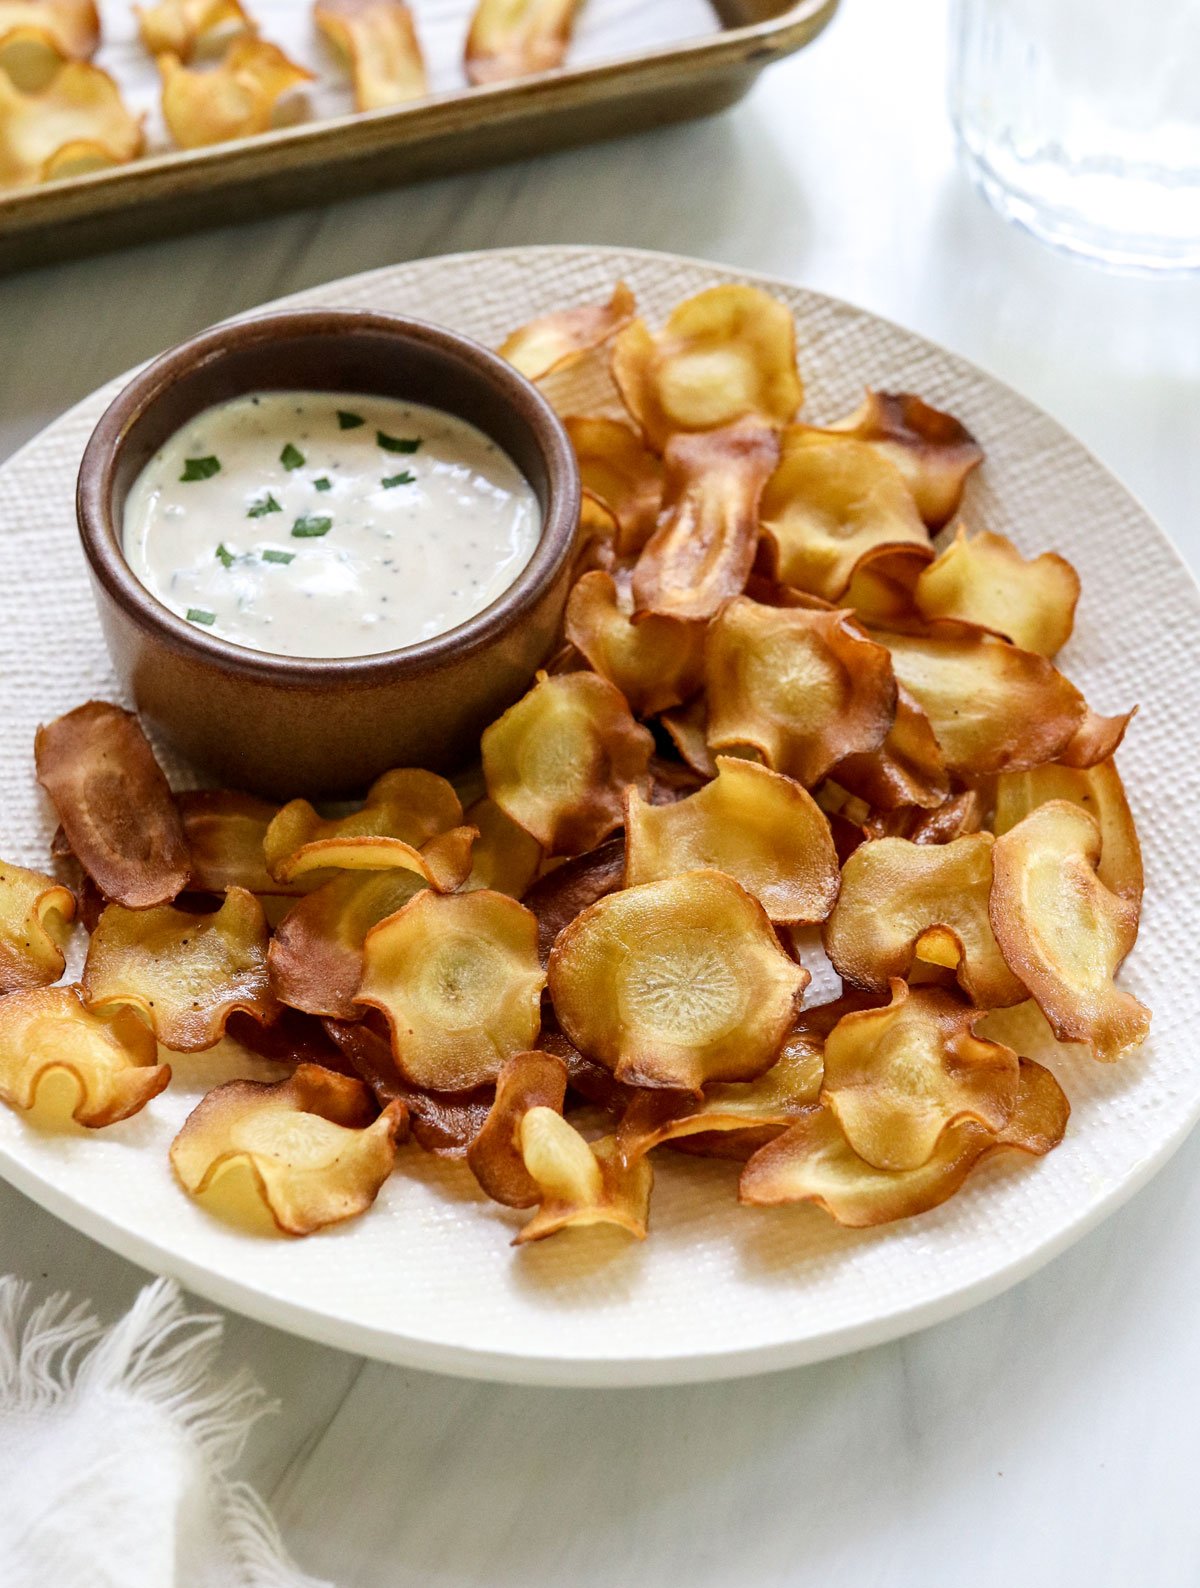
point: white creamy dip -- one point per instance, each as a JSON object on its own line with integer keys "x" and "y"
{"x": 326, "y": 524}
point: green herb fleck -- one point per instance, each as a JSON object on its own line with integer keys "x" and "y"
{"x": 323, "y": 484}
{"x": 406, "y": 478}
{"x": 224, "y": 556}
{"x": 291, "y": 457}
{"x": 200, "y": 468}
{"x": 199, "y": 615}
{"x": 270, "y": 555}
{"x": 309, "y": 528}
{"x": 349, "y": 421}
{"x": 396, "y": 443}
{"x": 268, "y": 505}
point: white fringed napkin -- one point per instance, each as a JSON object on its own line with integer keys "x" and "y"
{"x": 116, "y": 1448}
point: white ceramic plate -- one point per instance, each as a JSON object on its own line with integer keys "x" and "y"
{"x": 428, "y": 1278}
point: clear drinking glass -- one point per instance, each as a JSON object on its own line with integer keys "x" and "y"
{"x": 1080, "y": 120}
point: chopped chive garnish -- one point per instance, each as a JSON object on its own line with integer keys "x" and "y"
{"x": 291, "y": 457}
{"x": 224, "y": 556}
{"x": 406, "y": 478}
{"x": 270, "y": 555}
{"x": 308, "y": 528}
{"x": 323, "y": 484}
{"x": 199, "y": 615}
{"x": 349, "y": 421}
{"x": 396, "y": 443}
{"x": 267, "y": 505}
{"x": 200, "y": 468}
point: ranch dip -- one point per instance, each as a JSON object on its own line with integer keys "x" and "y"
{"x": 325, "y": 524}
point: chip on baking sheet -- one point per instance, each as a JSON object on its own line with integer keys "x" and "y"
{"x": 35, "y": 918}
{"x": 555, "y": 341}
{"x": 78, "y": 123}
{"x": 37, "y": 36}
{"x": 379, "y": 40}
{"x": 515, "y": 38}
{"x": 233, "y": 99}
{"x": 191, "y": 27}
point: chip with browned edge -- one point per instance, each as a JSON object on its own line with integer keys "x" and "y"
{"x": 555, "y": 341}
{"x": 379, "y": 40}
{"x": 35, "y": 917}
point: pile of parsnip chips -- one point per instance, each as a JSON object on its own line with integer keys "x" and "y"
{"x": 780, "y": 721}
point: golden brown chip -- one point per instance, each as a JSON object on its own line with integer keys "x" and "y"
{"x": 757, "y": 826}
{"x": 37, "y": 36}
{"x": 184, "y": 973}
{"x": 952, "y": 819}
{"x": 803, "y": 688}
{"x": 703, "y": 549}
{"x": 458, "y": 979}
{"x": 528, "y": 1080}
{"x": 234, "y": 99}
{"x": 984, "y": 579}
{"x": 906, "y": 769}
{"x": 516, "y": 38}
{"x": 504, "y": 856}
{"x": 580, "y": 1182}
{"x": 676, "y": 983}
{"x": 832, "y": 502}
{"x": 902, "y": 901}
{"x": 655, "y": 661}
{"x": 1039, "y": 1118}
{"x": 562, "y": 894}
{"x": 308, "y": 1149}
{"x": 188, "y": 27}
{"x": 559, "y": 761}
{"x": 76, "y": 124}
{"x": 114, "y": 804}
{"x": 932, "y": 450}
{"x": 35, "y": 916}
{"x": 1096, "y": 738}
{"x": 379, "y": 39}
{"x": 1063, "y": 932}
{"x": 882, "y": 588}
{"x": 622, "y": 475}
{"x": 224, "y": 832}
{"x": 897, "y": 1078}
{"x": 99, "y": 1067}
{"x": 727, "y": 354}
{"x": 555, "y": 341}
{"x": 687, "y": 728}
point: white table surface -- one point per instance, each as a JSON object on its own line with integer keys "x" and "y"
{"x": 1046, "y": 1439}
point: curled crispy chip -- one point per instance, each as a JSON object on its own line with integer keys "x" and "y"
{"x": 379, "y": 40}
{"x": 931, "y": 449}
{"x": 528, "y": 1080}
{"x": 902, "y": 901}
{"x": 655, "y": 661}
{"x": 316, "y": 955}
{"x": 622, "y": 474}
{"x": 1063, "y": 932}
{"x": 558, "y": 762}
{"x": 803, "y": 688}
{"x": 1096, "y": 738}
{"x": 897, "y": 1078}
{"x": 906, "y": 769}
{"x": 757, "y": 826}
{"x": 114, "y": 804}
{"x": 562, "y": 894}
{"x": 515, "y": 38}
{"x": 882, "y": 586}
{"x": 77, "y": 123}
{"x": 224, "y": 832}
{"x": 557, "y": 340}
{"x": 458, "y": 979}
{"x": 234, "y": 99}
{"x": 35, "y": 913}
{"x": 954, "y": 817}
{"x": 189, "y": 27}
{"x": 580, "y": 1182}
{"x": 67, "y": 1062}
{"x": 993, "y": 707}
{"x": 724, "y": 355}
{"x": 703, "y": 549}
{"x": 184, "y": 973}
{"x": 504, "y": 856}
{"x": 984, "y": 579}
{"x": 308, "y": 1148}
{"x": 37, "y": 36}
{"x": 676, "y": 983}
{"x": 832, "y": 502}
{"x": 687, "y": 729}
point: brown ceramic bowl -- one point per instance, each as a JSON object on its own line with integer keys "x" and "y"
{"x": 284, "y": 726}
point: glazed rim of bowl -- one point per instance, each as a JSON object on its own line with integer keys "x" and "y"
{"x": 102, "y": 535}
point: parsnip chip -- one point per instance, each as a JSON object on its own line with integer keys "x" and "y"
{"x": 622, "y": 474}
{"x": 224, "y": 832}
{"x": 562, "y": 894}
{"x": 528, "y": 1080}
{"x": 307, "y": 1148}
{"x": 897, "y": 1078}
{"x": 189, "y": 27}
{"x": 676, "y": 983}
{"x": 1063, "y": 932}
{"x": 111, "y": 1058}
{"x": 379, "y": 40}
{"x": 984, "y": 579}
{"x": 1096, "y": 738}
{"x": 902, "y": 901}
{"x": 37, "y": 36}
{"x": 803, "y": 688}
{"x": 655, "y": 661}
{"x": 558, "y": 762}
{"x": 952, "y": 819}
{"x": 906, "y": 769}
{"x": 932, "y": 450}
{"x": 555, "y": 341}
{"x": 992, "y": 706}
{"x": 757, "y": 826}
{"x": 76, "y": 124}
{"x": 457, "y": 978}
{"x": 234, "y": 99}
{"x": 35, "y": 917}
{"x": 515, "y": 38}
{"x": 831, "y": 503}
{"x": 687, "y": 728}
{"x": 703, "y": 549}
{"x": 316, "y": 954}
{"x": 411, "y": 820}
{"x": 184, "y": 973}
{"x": 883, "y": 585}
{"x": 580, "y": 1182}
{"x": 114, "y": 804}
{"x": 727, "y": 354}
{"x": 504, "y": 856}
